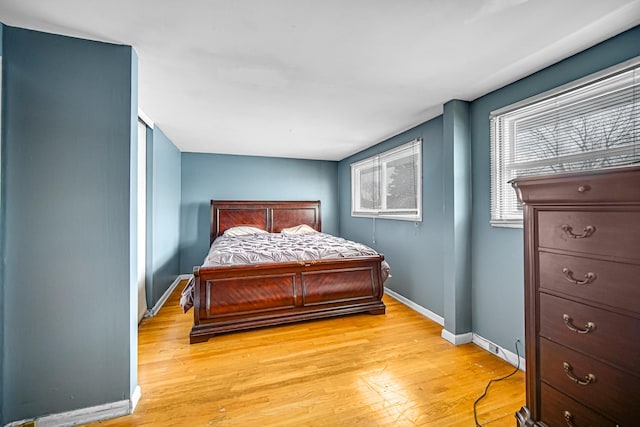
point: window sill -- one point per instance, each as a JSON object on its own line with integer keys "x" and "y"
{"x": 506, "y": 223}
{"x": 400, "y": 218}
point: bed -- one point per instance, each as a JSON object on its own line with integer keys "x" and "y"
{"x": 230, "y": 297}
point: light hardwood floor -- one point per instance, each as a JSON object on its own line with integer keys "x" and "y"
{"x": 361, "y": 370}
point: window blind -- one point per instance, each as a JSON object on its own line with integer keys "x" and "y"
{"x": 591, "y": 125}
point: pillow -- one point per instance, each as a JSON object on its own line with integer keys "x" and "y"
{"x": 243, "y": 230}
{"x": 299, "y": 230}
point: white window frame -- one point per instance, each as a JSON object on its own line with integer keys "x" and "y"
{"x": 378, "y": 163}
{"x": 505, "y": 210}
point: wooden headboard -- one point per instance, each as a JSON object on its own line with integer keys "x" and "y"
{"x": 269, "y": 215}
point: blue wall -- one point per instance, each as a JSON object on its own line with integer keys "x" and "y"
{"x": 498, "y": 268}
{"x": 67, "y": 125}
{"x": 226, "y": 177}
{"x": 413, "y": 249}
{"x": 163, "y": 214}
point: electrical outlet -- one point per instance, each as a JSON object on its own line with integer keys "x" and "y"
{"x": 493, "y": 348}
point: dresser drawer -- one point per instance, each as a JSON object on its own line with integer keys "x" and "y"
{"x": 608, "y": 233}
{"x": 612, "y": 283}
{"x": 613, "y": 392}
{"x": 613, "y": 337}
{"x": 560, "y": 410}
{"x": 620, "y": 185}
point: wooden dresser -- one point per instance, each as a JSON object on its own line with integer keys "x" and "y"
{"x": 582, "y": 298}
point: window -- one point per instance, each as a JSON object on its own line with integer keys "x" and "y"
{"x": 589, "y": 124}
{"x": 389, "y": 185}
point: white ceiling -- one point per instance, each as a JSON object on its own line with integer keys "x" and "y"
{"x": 322, "y": 79}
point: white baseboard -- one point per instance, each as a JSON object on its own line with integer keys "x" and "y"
{"x": 415, "y": 307}
{"x": 156, "y": 308}
{"x": 503, "y": 353}
{"x": 457, "y": 339}
{"x": 85, "y": 415}
{"x": 478, "y": 340}
{"x": 135, "y": 398}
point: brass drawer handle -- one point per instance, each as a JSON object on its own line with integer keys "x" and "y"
{"x": 588, "y": 278}
{"x": 568, "y": 369}
{"x": 586, "y": 232}
{"x": 568, "y": 417}
{"x": 589, "y": 327}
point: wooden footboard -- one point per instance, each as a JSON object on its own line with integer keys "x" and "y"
{"x": 245, "y": 297}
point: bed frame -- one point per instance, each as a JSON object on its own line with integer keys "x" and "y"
{"x": 234, "y": 298}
